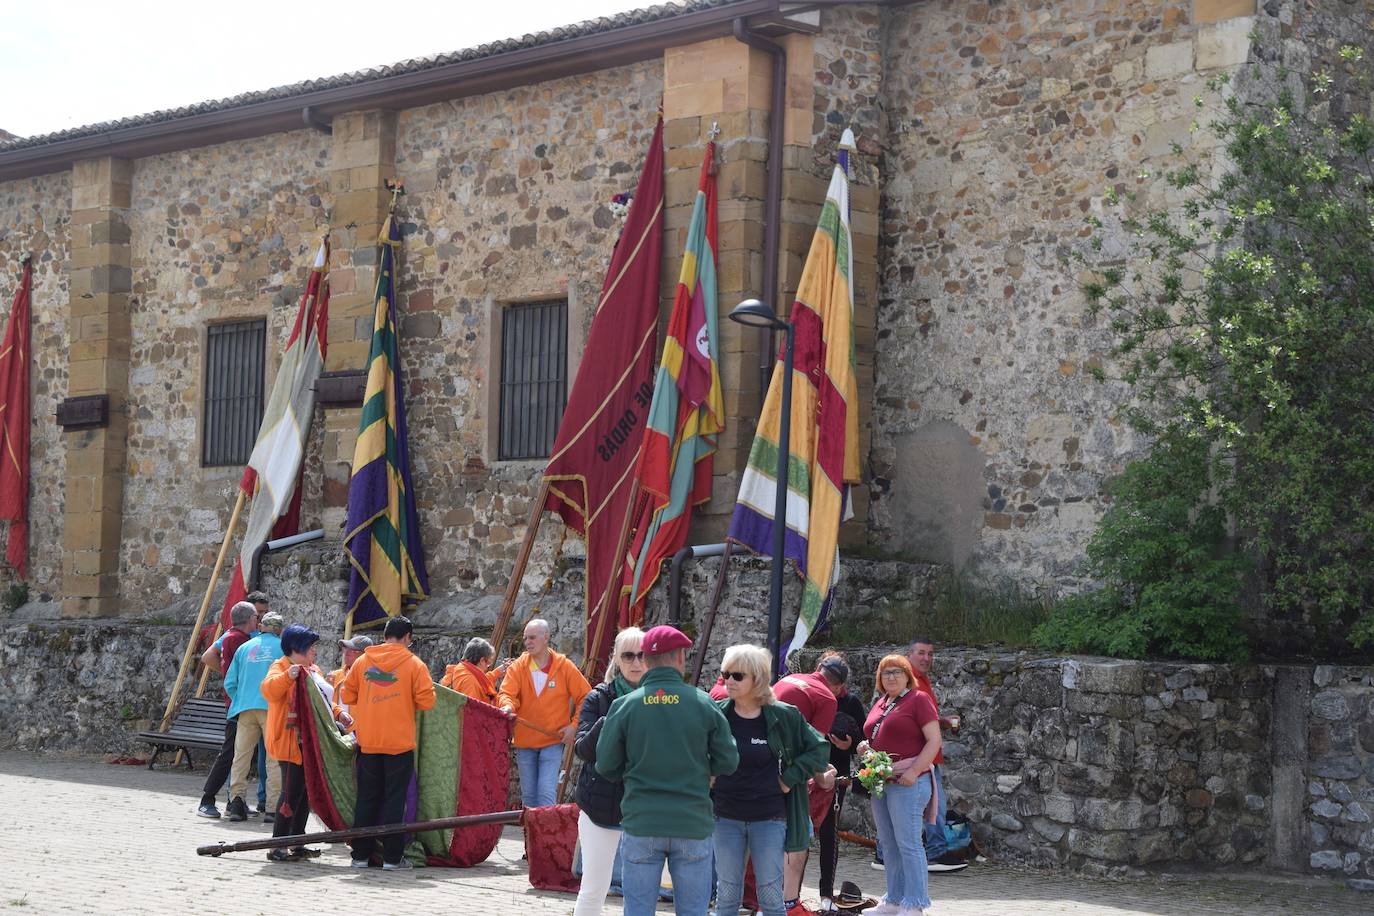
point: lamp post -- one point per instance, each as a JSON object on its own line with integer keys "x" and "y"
{"x": 756, "y": 314}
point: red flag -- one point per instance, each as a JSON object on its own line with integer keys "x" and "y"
{"x": 14, "y": 425}
{"x": 591, "y": 472}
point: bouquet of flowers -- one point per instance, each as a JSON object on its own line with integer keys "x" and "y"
{"x": 875, "y": 772}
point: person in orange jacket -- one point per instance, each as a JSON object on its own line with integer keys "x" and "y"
{"x": 298, "y": 644}
{"x": 384, "y": 689}
{"x": 353, "y": 649}
{"x": 546, "y": 691}
{"x": 474, "y": 676}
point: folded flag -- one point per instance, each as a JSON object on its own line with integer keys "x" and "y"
{"x": 382, "y": 536}
{"x": 824, "y": 441}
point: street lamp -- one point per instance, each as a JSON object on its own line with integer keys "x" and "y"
{"x": 755, "y": 314}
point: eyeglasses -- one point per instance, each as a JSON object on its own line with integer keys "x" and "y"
{"x": 631, "y": 656}
{"x": 892, "y": 672}
{"x": 733, "y": 675}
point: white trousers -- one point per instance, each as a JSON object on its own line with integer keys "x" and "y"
{"x": 599, "y": 845}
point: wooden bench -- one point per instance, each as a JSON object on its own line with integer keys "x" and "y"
{"x": 198, "y": 724}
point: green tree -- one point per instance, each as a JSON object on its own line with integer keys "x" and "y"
{"x": 1244, "y": 323}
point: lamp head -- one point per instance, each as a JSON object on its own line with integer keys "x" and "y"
{"x": 755, "y": 314}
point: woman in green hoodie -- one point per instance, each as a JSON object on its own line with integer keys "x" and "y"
{"x": 761, "y": 808}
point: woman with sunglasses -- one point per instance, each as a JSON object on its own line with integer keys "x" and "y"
{"x": 904, "y": 724}
{"x": 598, "y": 798}
{"x": 761, "y": 808}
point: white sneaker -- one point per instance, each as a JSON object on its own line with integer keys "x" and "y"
{"x": 911, "y": 911}
{"x": 883, "y": 909}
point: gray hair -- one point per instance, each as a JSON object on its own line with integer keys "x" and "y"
{"x": 755, "y": 662}
{"x": 242, "y": 613}
{"x": 540, "y": 623}
{"x": 478, "y": 649}
{"x": 630, "y": 639}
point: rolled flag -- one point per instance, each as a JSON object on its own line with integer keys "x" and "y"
{"x": 382, "y": 537}
{"x": 272, "y": 477}
{"x": 824, "y": 441}
{"x": 688, "y": 410}
{"x": 14, "y": 424}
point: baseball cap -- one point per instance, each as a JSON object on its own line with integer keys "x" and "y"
{"x": 357, "y": 643}
{"x": 835, "y": 666}
{"x": 271, "y": 620}
{"x": 664, "y": 638}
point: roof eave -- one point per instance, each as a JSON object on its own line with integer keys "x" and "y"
{"x": 525, "y": 66}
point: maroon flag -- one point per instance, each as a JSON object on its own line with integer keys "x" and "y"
{"x": 591, "y": 472}
{"x": 14, "y": 425}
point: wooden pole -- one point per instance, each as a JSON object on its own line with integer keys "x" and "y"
{"x": 522, "y": 559}
{"x": 204, "y": 606}
{"x": 358, "y": 833}
{"x": 604, "y": 610}
{"x": 711, "y": 616}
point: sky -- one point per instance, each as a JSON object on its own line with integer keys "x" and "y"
{"x": 77, "y": 62}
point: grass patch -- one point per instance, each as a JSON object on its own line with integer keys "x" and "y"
{"x": 962, "y": 612}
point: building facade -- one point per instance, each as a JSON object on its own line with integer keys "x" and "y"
{"x": 171, "y": 250}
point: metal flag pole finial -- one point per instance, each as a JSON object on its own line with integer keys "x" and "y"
{"x": 714, "y": 132}
{"x": 397, "y": 187}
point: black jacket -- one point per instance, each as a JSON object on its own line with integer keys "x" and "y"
{"x": 596, "y": 795}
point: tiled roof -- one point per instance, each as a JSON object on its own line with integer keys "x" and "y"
{"x": 358, "y": 77}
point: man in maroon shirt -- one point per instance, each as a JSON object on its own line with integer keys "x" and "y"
{"x": 814, "y": 695}
{"x": 243, "y": 618}
{"x": 921, "y": 654}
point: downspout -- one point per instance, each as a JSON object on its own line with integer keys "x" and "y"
{"x": 772, "y": 225}
{"x": 675, "y": 576}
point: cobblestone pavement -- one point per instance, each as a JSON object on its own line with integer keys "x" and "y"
{"x": 82, "y": 836}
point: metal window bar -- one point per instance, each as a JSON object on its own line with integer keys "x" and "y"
{"x": 235, "y": 355}
{"x": 534, "y": 378}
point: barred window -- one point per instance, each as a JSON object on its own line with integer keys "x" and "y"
{"x": 534, "y": 377}
{"x": 234, "y": 355}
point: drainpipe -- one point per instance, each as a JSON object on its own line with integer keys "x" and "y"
{"x": 772, "y": 226}
{"x": 311, "y": 118}
{"x": 675, "y": 576}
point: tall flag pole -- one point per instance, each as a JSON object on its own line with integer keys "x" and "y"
{"x": 382, "y": 536}
{"x": 272, "y": 477}
{"x": 824, "y": 439}
{"x": 14, "y": 424}
{"x": 590, "y": 476}
{"x": 687, "y": 412}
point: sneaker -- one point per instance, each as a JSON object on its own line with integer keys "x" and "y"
{"x": 883, "y": 909}
{"x": 208, "y": 810}
{"x": 877, "y": 864}
{"x": 827, "y": 907}
{"x": 911, "y": 911}
{"x": 393, "y": 866}
{"x": 304, "y": 852}
{"x": 360, "y": 863}
{"x": 269, "y": 818}
{"x": 262, "y": 807}
{"x": 948, "y": 862}
{"x": 238, "y": 811}
{"x": 279, "y": 855}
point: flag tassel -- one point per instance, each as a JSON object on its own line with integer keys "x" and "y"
{"x": 204, "y": 609}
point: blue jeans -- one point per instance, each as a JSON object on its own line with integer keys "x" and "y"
{"x": 935, "y": 842}
{"x": 262, "y": 776}
{"x": 898, "y": 816}
{"x": 689, "y": 862}
{"x": 738, "y": 841}
{"x": 538, "y": 774}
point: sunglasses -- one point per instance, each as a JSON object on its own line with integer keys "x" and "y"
{"x": 631, "y": 656}
{"x": 733, "y": 675}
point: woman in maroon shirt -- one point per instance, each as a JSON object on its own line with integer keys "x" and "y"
{"x": 904, "y": 724}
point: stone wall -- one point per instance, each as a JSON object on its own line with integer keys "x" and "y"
{"x": 1340, "y": 789}
{"x": 1007, "y": 122}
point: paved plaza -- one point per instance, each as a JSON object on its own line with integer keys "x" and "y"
{"x": 83, "y": 836}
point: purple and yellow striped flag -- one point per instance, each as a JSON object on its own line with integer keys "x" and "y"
{"x": 382, "y": 537}
{"x": 824, "y": 446}
{"x": 687, "y": 411}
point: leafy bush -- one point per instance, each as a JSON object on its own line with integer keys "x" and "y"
{"x": 1245, "y": 323}
{"x": 1170, "y": 586}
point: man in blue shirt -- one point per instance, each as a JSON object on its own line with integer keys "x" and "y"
{"x": 243, "y": 684}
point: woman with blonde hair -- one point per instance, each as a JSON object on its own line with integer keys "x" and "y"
{"x": 904, "y": 724}
{"x": 761, "y": 808}
{"x": 598, "y": 798}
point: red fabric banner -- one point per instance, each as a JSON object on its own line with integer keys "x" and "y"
{"x": 483, "y": 783}
{"x": 550, "y": 838}
{"x": 590, "y": 474}
{"x": 14, "y": 426}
